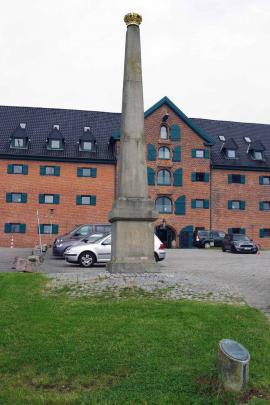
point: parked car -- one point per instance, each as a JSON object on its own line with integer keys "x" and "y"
{"x": 206, "y": 239}
{"x": 78, "y": 233}
{"x": 60, "y": 247}
{"x": 99, "y": 251}
{"x": 239, "y": 243}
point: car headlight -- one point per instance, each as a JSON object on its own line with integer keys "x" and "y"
{"x": 59, "y": 244}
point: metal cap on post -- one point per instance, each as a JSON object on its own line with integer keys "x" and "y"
{"x": 233, "y": 364}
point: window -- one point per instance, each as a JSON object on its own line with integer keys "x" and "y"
{"x": 257, "y": 155}
{"x": 204, "y": 177}
{"x": 86, "y": 200}
{"x": 87, "y": 146}
{"x": 222, "y": 138}
{"x": 199, "y": 203}
{"x": 48, "y": 229}
{"x": 86, "y": 172}
{"x": 18, "y": 142}
{"x": 236, "y": 205}
{"x": 17, "y": 169}
{"x": 264, "y": 180}
{"x": 200, "y": 153}
{"x": 231, "y": 154}
{"x": 236, "y": 178}
{"x": 55, "y": 144}
{"x": 163, "y": 132}
{"x": 49, "y": 170}
{"x": 164, "y": 205}
{"x": 164, "y": 178}
{"x": 49, "y": 198}
{"x": 164, "y": 153}
{"x": 15, "y": 228}
{"x": 265, "y": 233}
{"x": 16, "y": 197}
{"x": 264, "y": 205}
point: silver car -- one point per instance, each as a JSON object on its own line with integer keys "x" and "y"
{"x": 99, "y": 251}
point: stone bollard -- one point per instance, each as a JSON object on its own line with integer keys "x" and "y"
{"x": 233, "y": 365}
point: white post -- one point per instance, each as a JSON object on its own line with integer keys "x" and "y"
{"x": 39, "y": 235}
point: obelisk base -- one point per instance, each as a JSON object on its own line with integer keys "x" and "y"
{"x": 133, "y": 236}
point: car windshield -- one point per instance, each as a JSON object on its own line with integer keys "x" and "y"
{"x": 241, "y": 238}
{"x": 204, "y": 233}
{"x": 94, "y": 237}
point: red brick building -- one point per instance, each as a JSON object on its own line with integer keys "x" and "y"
{"x": 59, "y": 166}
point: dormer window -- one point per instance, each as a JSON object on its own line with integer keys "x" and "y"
{"x": 19, "y": 138}
{"x": 87, "y": 142}
{"x": 231, "y": 154}
{"x": 163, "y": 132}
{"x": 222, "y": 138}
{"x": 55, "y": 140}
{"x": 257, "y": 155}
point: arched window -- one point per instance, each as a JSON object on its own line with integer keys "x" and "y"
{"x": 163, "y": 132}
{"x": 164, "y": 178}
{"x": 164, "y": 205}
{"x": 164, "y": 153}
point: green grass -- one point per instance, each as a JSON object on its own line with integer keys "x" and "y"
{"x": 59, "y": 350}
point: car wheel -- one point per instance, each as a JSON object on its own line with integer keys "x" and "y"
{"x": 207, "y": 245}
{"x": 156, "y": 257}
{"x": 87, "y": 259}
{"x": 233, "y": 249}
{"x": 255, "y": 252}
{"x": 223, "y": 249}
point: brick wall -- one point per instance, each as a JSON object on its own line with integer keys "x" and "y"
{"x": 251, "y": 218}
{"x": 192, "y": 190}
{"x": 66, "y": 214}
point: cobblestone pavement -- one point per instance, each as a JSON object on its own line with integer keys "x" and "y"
{"x": 7, "y": 256}
{"x": 185, "y": 274}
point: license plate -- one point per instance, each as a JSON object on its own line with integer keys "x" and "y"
{"x": 247, "y": 248}
{"x": 211, "y": 243}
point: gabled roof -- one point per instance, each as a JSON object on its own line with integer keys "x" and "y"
{"x": 55, "y": 134}
{"x": 87, "y": 136}
{"x": 230, "y": 144}
{"x": 166, "y": 101}
{"x": 257, "y": 146}
{"x": 19, "y": 132}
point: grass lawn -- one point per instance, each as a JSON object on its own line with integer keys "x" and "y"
{"x": 60, "y": 350}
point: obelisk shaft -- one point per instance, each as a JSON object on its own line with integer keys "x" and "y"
{"x": 133, "y": 211}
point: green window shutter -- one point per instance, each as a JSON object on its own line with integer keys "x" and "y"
{"x": 79, "y": 200}
{"x": 7, "y": 228}
{"x": 41, "y": 198}
{"x": 193, "y": 176}
{"x": 261, "y": 179}
{"x": 261, "y": 232}
{"x": 175, "y": 132}
{"x": 22, "y": 228}
{"x": 261, "y": 205}
{"x": 9, "y": 171}
{"x": 206, "y": 177}
{"x": 94, "y": 172}
{"x": 8, "y": 197}
{"x": 24, "y": 198}
{"x": 150, "y": 176}
{"x": 79, "y": 172}
{"x": 229, "y": 178}
{"x": 193, "y": 153}
{"x": 41, "y": 228}
{"x": 151, "y": 152}
{"x": 42, "y": 170}
{"x": 229, "y": 205}
{"x": 205, "y": 203}
{"x": 242, "y": 231}
{"x": 177, "y": 154}
{"x": 57, "y": 170}
{"x": 56, "y": 198}
{"x": 193, "y": 203}
{"x": 180, "y": 205}
{"x": 242, "y": 205}
{"x": 25, "y": 169}
{"x": 177, "y": 178}
{"x": 242, "y": 179}
{"x": 54, "y": 229}
{"x": 206, "y": 153}
{"x": 93, "y": 200}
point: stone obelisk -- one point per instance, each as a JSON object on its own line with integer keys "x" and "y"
{"x": 133, "y": 211}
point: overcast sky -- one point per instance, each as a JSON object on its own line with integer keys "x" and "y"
{"x": 210, "y": 57}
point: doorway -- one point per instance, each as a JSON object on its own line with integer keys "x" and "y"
{"x": 186, "y": 237}
{"x": 166, "y": 234}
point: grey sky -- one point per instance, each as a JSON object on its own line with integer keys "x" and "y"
{"x": 210, "y": 57}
